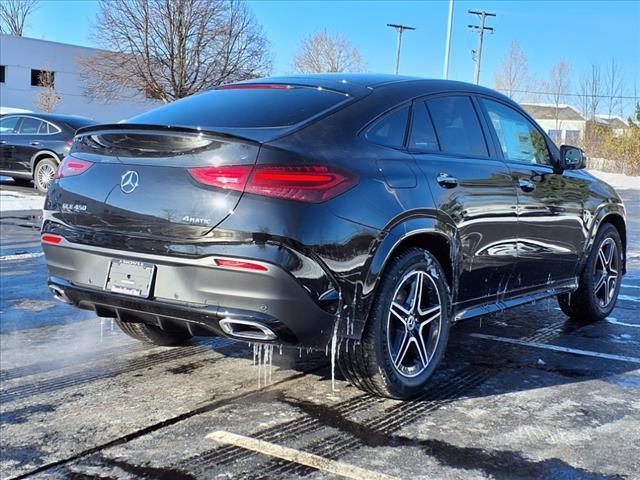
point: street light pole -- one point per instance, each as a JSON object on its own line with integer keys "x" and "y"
{"x": 447, "y": 51}
{"x": 400, "y": 29}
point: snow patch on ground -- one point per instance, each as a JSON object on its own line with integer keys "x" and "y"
{"x": 619, "y": 181}
{"x": 12, "y": 201}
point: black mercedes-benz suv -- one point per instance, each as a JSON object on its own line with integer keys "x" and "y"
{"x": 372, "y": 211}
{"x": 32, "y": 145}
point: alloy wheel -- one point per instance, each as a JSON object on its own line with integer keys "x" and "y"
{"x": 606, "y": 272}
{"x": 414, "y": 323}
{"x": 45, "y": 174}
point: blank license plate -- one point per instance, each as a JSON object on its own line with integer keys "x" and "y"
{"x": 130, "y": 277}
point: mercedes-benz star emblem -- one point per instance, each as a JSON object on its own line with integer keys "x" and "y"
{"x": 129, "y": 181}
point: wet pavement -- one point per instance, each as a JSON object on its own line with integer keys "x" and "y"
{"x": 523, "y": 394}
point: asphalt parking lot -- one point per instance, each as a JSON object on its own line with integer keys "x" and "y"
{"x": 522, "y": 394}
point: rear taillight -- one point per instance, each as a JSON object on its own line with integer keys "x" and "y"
{"x": 72, "y": 166}
{"x": 304, "y": 183}
{"x": 55, "y": 239}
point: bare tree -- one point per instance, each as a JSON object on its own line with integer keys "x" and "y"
{"x": 614, "y": 87}
{"x": 558, "y": 86}
{"x": 14, "y": 14}
{"x": 513, "y": 78}
{"x": 324, "y": 52}
{"x": 173, "y": 49}
{"x": 49, "y": 98}
{"x": 591, "y": 91}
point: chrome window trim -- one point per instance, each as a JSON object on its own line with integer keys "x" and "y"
{"x": 19, "y": 116}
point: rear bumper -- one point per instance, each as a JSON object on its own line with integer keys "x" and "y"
{"x": 193, "y": 294}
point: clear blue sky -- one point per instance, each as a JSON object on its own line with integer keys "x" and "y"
{"x": 579, "y": 31}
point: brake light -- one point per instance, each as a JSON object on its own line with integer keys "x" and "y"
{"x": 72, "y": 166}
{"x": 229, "y": 178}
{"x": 255, "y": 86}
{"x": 55, "y": 239}
{"x": 304, "y": 183}
{"x": 240, "y": 265}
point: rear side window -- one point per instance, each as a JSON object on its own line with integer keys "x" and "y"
{"x": 245, "y": 107}
{"x": 423, "y": 136}
{"x": 457, "y": 126}
{"x": 30, "y": 126}
{"x": 390, "y": 130}
{"x": 9, "y": 125}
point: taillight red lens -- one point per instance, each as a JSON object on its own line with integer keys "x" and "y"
{"x": 55, "y": 239}
{"x": 304, "y": 183}
{"x": 240, "y": 264}
{"x": 230, "y": 178}
{"x": 72, "y": 166}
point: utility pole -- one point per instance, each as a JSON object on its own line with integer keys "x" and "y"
{"x": 400, "y": 29}
{"x": 480, "y": 29}
{"x": 447, "y": 50}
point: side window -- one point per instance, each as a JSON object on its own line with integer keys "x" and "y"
{"x": 457, "y": 126}
{"x": 519, "y": 139}
{"x": 44, "y": 128}
{"x": 390, "y": 130}
{"x": 423, "y": 136}
{"x": 29, "y": 126}
{"x": 9, "y": 125}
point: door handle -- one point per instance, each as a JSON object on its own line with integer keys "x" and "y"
{"x": 34, "y": 143}
{"x": 447, "y": 181}
{"x": 526, "y": 185}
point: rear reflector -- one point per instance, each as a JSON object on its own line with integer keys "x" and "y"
{"x": 55, "y": 239}
{"x": 72, "y": 166}
{"x": 304, "y": 183}
{"x": 240, "y": 265}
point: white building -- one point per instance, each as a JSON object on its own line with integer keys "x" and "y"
{"x": 21, "y": 61}
{"x": 564, "y": 123}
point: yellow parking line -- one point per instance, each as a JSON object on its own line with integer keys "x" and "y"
{"x": 297, "y": 456}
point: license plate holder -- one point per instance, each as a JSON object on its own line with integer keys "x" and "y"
{"x": 130, "y": 277}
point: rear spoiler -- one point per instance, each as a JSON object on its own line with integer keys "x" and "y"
{"x": 134, "y": 127}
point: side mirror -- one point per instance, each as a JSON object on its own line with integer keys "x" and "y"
{"x": 572, "y": 158}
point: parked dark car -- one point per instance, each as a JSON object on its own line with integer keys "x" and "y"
{"x": 33, "y": 144}
{"x": 370, "y": 211}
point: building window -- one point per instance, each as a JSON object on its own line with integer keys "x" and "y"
{"x": 42, "y": 78}
{"x": 2, "y": 69}
{"x": 572, "y": 136}
{"x": 556, "y": 136}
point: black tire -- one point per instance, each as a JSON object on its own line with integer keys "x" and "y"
{"x": 43, "y": 173}
{"x": 587, "y": 304}
{"x": 153, "y": 335}
{"x": 369, "y": 364}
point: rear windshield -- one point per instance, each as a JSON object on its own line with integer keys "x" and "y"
{"x": 246, "y": 107}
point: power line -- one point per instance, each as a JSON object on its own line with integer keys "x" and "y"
{"x": 480, "y": 29}
{"x": 625, "y": 97}
{"x": 400, "y": 29}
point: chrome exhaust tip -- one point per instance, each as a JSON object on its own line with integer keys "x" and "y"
{"x": 59, "y": 294}
{"x": 247, "y": 329}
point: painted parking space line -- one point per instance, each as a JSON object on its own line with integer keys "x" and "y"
{"x": 629, "y": 298}
{"x": 556, "y": 348}
{"x": 297, "y": 456}
{"x": 20, "y": 256}
{"x": 615, "y": 321}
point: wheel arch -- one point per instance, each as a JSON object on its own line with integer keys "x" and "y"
{"x": 41, "y": 155}
{"x": 428, "y": 233}
{"x": 610, "y": 214}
